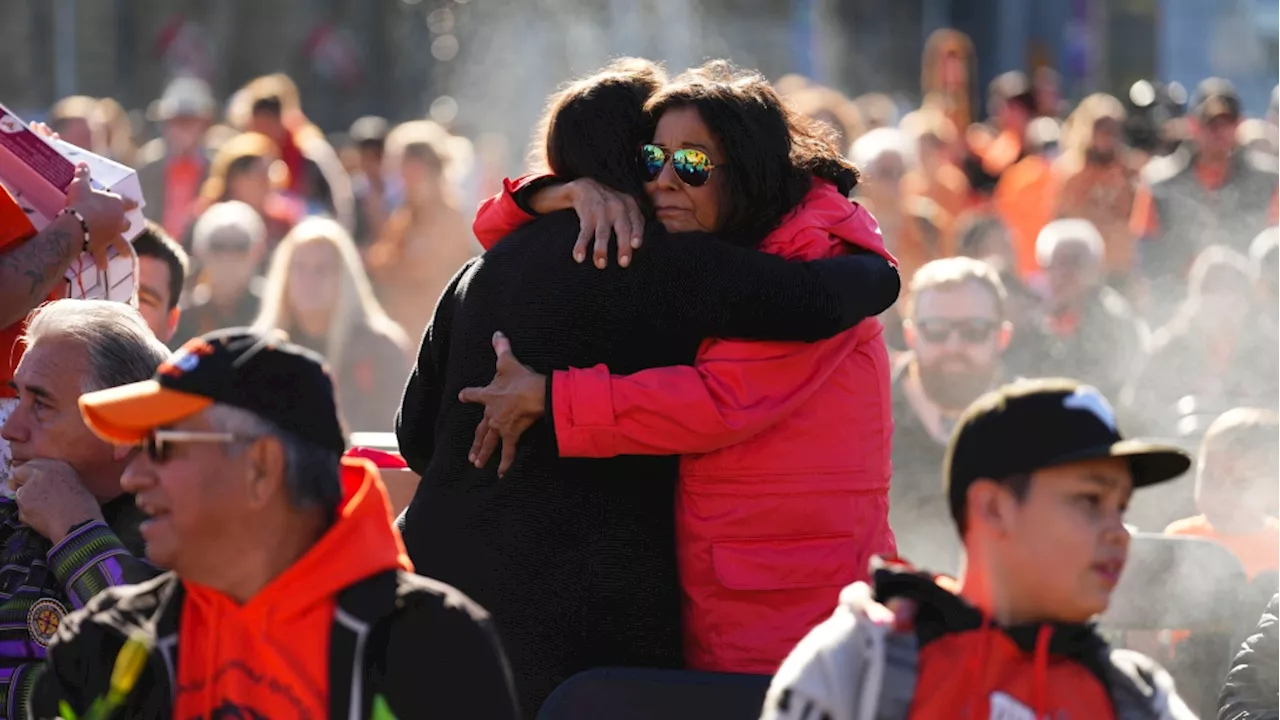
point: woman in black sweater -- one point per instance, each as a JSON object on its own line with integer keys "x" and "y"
{"x": 575, "y": 558}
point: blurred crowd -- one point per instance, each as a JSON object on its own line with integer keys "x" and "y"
{"x": 1127, "y": 241}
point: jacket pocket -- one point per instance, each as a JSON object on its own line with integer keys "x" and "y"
{"x": 786, "y": 563}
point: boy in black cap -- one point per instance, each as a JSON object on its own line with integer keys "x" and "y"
{"x": 1037, "y": 476}
{"x": 290, "y": 593}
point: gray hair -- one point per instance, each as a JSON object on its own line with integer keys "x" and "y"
{"x": 1068, "y": 231}
{"x": 311, "y": 473}
{"x": 876, "y": 144}
{"x": 231, "y": 218}
{"x": 120, "y": 348}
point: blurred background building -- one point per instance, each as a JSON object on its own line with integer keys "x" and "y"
{"x": 485, "y": 66}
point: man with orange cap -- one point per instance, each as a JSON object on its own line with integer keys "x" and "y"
{"x": 1037, "y": 476}
{"x": 291, "y": 595}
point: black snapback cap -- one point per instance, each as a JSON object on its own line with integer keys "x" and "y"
{"x": 1034, "y": 424}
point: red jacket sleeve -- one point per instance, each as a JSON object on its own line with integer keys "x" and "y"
{"x": 735, "y": 390}
{"x": 500, "y": 215}
{"x": 15, "y": 226}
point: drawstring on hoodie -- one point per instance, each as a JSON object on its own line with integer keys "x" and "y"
{"x": 975, "y": 672}
{"x": 1040, "y": 672}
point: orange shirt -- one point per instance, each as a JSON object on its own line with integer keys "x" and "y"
{"x": 1258, "y": 552}
{"x": 1025, "y": 201}
{"x": 182, "y": 176}
{"x": 14, "y": 228}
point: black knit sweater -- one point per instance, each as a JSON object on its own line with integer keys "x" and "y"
{"x": 575, "y": 558}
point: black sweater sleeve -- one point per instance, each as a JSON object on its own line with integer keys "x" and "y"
{"x": 1250, "y": 692}
{"x": 697, "y": 284}
{"x": 420, "y": 404}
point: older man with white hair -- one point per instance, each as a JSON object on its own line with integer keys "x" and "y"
{"x": 70, "y": 530}
{"x": 1093, "y": 332}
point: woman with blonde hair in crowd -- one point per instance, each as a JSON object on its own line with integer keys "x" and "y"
{"x": 317, "y": 293}
{"x": 428, "y": 237}
{"x": 1093, "y": 181}
{"x": 247, "y": 168}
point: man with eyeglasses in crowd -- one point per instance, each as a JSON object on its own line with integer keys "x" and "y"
{"x": 955, "y": 328}
{"x": 319, "y": 613}
{"x": 69, "y": 531}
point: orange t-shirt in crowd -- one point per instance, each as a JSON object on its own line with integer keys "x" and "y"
{"x": 181, "y": 188}
{"x": 14, "y": 228}
{"x": 1025, "y": 200}
{"x": 1258, "y": 551}
{"x": 1145, "y": 223}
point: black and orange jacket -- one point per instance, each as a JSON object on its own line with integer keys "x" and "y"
{"x": 342, "y": 631}
{"x": 956, "y": 663}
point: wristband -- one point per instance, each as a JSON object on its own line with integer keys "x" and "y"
{"x": 84, "y": 226}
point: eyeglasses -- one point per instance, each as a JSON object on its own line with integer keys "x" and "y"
{"x": 972, "y": 332}
{"x": 693, "y": 167}
{"x": 157, "y": 443}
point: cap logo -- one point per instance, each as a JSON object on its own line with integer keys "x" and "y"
{"x": 1088, "y": 398}
{"x": 185, "y": 359}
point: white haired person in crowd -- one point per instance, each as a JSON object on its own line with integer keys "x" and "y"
{"x": 319, "y": 615}
{"x": 228, "y": 243}
{"x": 910, "y": 225}
{"x": 70, "y": 531}
{"x": 1089, "y": 329}
{"x": 318, "y": 294}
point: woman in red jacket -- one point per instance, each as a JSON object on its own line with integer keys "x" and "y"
{"x": 785, "y": 475}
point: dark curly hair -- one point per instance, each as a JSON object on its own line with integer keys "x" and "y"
{"x": 592, "y": 125}
{"x": 772, "y": 152}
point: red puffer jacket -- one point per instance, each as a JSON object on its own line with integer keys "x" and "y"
{"x": 785, "y": 476}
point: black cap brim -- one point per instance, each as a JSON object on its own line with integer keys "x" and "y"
{"x": 1150, "y": 462}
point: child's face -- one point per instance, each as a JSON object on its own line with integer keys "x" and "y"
{"x": 1065, "y": 544}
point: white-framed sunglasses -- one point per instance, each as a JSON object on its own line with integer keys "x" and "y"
{"x": 156, "y": 444}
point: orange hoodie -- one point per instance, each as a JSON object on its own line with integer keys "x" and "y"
{"x": 270, "y": 656}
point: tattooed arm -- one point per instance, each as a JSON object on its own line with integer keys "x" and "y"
{"x": 31, "y": 268}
